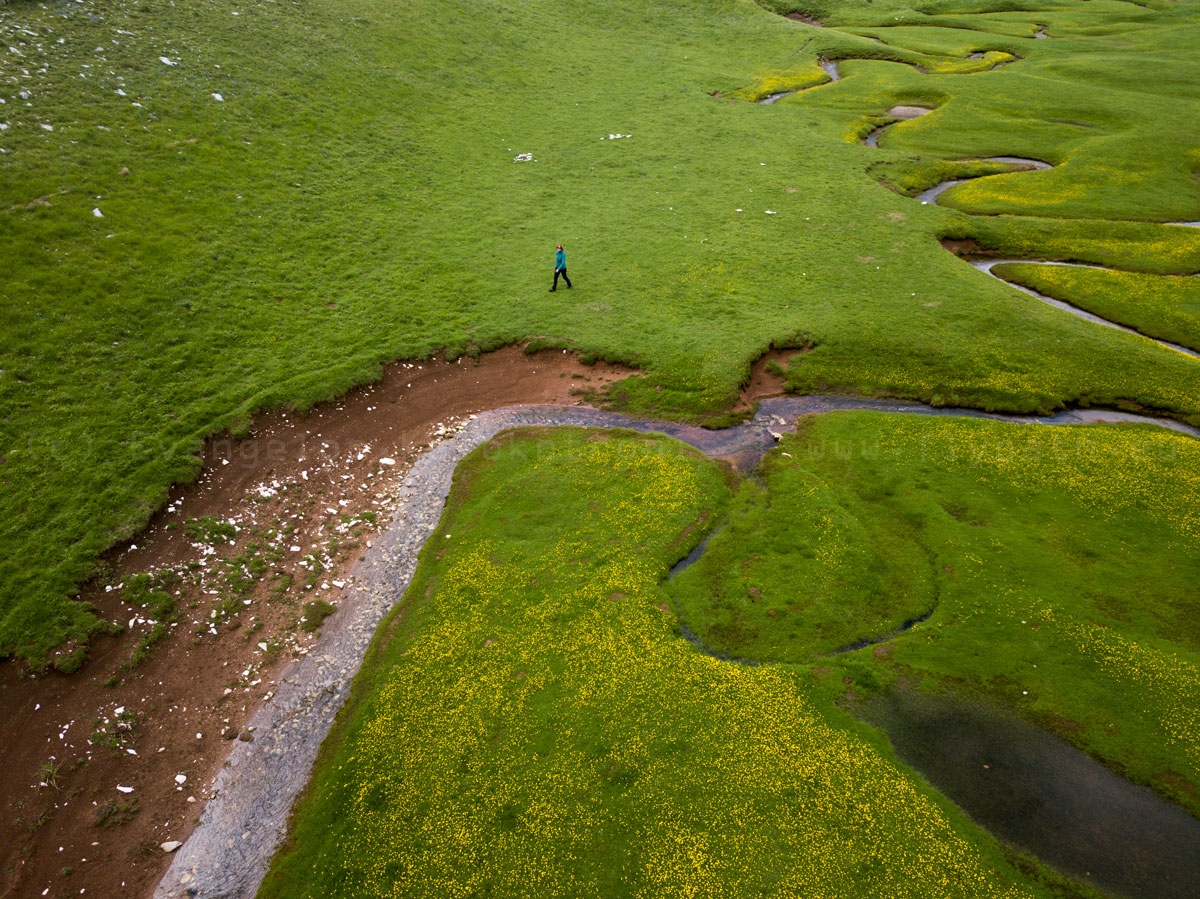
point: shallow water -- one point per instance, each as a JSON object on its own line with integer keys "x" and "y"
{"x": 1039, "y": 793}
{"x": 830, "y": 68}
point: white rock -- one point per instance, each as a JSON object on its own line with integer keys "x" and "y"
{"x": 218, "y": 98}
{"x": 387, "y": 461}
{"x": 165, "y": 61}
{"x": 171, "y": 845}
{"x": 121, "y": 789}
{"x": 47, "y": 127}
{"x": 180, "y": 778}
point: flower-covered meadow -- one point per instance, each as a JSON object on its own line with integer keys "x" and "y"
{"x": 532, "y": 723}
{"x": 1051, "y": 570}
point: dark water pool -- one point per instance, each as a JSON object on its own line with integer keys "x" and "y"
{"x": 1039, "y": 793}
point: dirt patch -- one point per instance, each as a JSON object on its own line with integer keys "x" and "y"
{"x": 805, "y": 18}
{"x": 965, "y": 247}
{"x": 269, "y": 533}
{"x": 765, "y": 377}
{"x": 42, "y": 202}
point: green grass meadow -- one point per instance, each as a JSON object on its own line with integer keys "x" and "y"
{"x": 1051, "y": 569}
{"x": 532, "y": 721}
{"x": 354, "y": 197}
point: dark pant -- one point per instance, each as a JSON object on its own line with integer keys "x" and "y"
{"x": 563, "y": 272}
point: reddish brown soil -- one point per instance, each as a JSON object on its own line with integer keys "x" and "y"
{"x": 963, "y": 247}
{"x": 763, "y": 381}
{"x": 805, "y": 18}
{"x": 197, "y": 684}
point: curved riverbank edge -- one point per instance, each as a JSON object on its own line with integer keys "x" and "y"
{"x": 986, "y": 266}
{"x": 931, "y": 195}
{"x": 246, "y": 818}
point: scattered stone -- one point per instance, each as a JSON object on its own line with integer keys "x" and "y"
{"x": 246, "y": 737}
{"x": 171, "y": 845}
{"x": 229, "y": 733}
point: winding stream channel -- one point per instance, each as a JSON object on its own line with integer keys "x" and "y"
{"x": 246, "y": 817}
{"x": 987, "y": 265}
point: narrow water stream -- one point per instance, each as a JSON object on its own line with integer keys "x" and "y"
{"x": 986, "y": 265}
{"x": 931, "y": 195}
{"x": 1039, "y": 793}
{"x": 829, "y": 67}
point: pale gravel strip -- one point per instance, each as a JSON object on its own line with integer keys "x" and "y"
{"x": 228, "y": 854}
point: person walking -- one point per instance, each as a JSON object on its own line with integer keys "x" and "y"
{"x": 560, "y": 268}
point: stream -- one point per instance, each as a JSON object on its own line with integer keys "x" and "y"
{"x": 828, "y": 66}
{"x": 986, "y": 266}
{"x": 1043, "y": 795}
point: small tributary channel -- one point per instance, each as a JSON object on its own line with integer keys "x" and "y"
{"x": 931, "y": 195}
{"x": 987, "y": 266}
{"x": 1043, "y": 795}
{"x": 828, "y": 66}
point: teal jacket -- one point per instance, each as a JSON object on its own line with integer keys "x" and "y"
{"x": 560, "y": 260}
